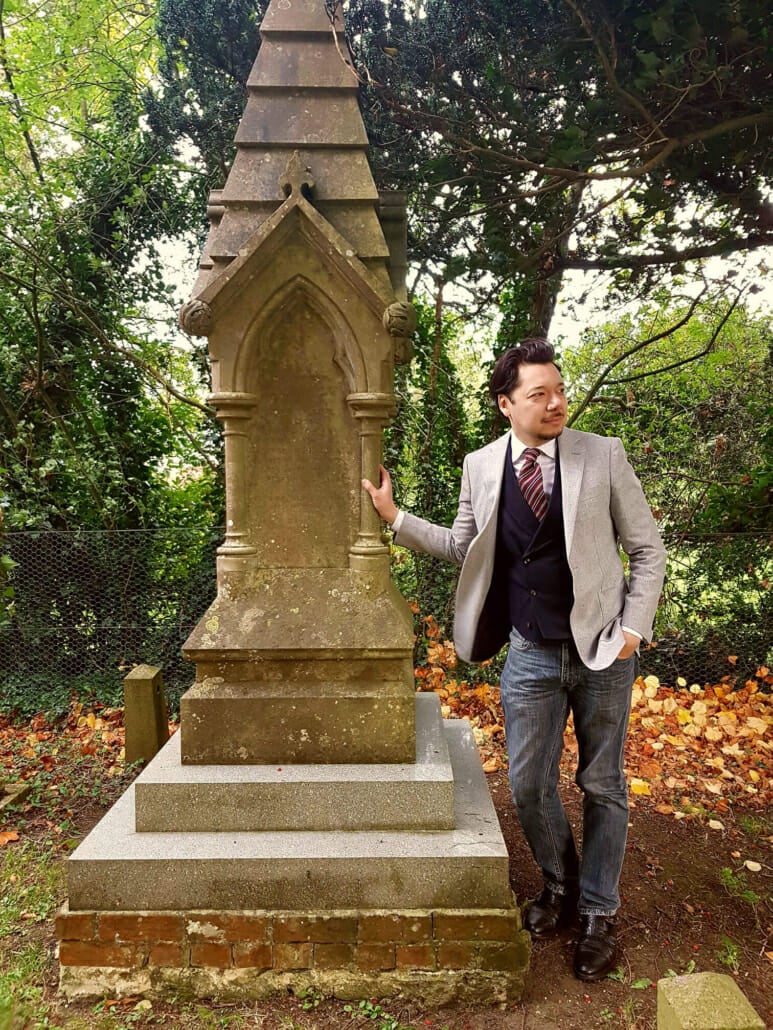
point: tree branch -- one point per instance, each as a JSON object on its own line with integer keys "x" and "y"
{"x": 66, "y": 297}
{"x": 685, "y": 361}
{"x": 668, "y": 257}
{"x": 16, "y": 104}
{"x": 640, "y": 345}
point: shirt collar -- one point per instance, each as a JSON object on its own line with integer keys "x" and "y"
{"x": 548, "y": 448}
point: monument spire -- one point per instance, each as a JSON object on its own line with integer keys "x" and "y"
{"x": 302, "y": 100}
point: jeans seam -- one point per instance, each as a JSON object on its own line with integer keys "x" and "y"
{"x": 543, "y": 791}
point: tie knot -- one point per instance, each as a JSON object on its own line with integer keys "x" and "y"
{"x": 531, "y": 454}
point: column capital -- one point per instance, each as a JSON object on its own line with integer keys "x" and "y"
{"x": 232, "y": 404}
{"x": 372, "y": 405}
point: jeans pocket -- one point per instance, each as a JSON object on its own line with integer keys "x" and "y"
{"x": 519, "y": 642}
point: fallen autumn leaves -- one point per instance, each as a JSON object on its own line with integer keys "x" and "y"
{"x": 691, "y": 752}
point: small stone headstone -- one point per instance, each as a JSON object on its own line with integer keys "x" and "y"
{"x": 13, "y": 793}
{"x": 704, "y": 1001}
{"x": 147, "y": 729}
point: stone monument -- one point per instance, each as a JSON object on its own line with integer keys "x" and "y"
{"x": 314, "y": 823}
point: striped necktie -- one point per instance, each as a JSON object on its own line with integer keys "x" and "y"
{"x": 530, "y": 482}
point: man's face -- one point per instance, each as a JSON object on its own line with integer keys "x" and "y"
{"x": 536, "y": 409}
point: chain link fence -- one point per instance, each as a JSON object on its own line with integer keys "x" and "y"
{"x": 90, "y": 605}
{"x": 716, "y": 615}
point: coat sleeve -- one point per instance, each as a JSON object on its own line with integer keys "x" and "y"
{"x": 639, "y": 538}
{"x": 439, "y": 541}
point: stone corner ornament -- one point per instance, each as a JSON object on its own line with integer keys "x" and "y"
{"x": 195, "y": 318}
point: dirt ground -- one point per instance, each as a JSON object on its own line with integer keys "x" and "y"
{"x": 677, "y": 915}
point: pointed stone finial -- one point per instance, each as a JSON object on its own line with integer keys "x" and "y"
{"x": 297, "y": 177}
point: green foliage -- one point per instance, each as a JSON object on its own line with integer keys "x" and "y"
{"x": 207, "y": 51}
{"x": 92, "y": 389}
{"x": 33, "y": 881}
{"x": 511, "y": 124}
{"x": 425, "y": 448}
{"x": 21, "y": 993}
{"x": 729, "y": 953}
{"x": 375, "y": 1013}
{"x": 310, "y": 999}
{"x": 90, "y": 605}
{"x": 688, "y": 396}
{"x": 7, "y": 592}
{"x": 689, "y": 390}
{"x": 754, "y": 825}
{"x": 735, "y": 884}
{"x": 535, "y": 137}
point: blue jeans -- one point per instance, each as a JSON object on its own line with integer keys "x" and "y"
{"x": 541, "y": 683}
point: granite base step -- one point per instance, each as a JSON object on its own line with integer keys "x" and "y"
{"x": 118, "y": 868}
{"x": 171, "y": 797}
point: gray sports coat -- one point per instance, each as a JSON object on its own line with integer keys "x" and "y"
{"x": 605, "y": 510}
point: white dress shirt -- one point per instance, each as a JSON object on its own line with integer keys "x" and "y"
{"x": 546, "y": 460}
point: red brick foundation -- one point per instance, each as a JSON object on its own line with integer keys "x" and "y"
{"x": 366, "y": 944}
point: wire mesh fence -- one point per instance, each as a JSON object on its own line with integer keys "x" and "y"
{"x": 89, "y": 605}
{"x": 716, "y": 614}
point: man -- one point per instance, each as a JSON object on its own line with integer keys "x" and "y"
{"x": 542, "y": 514}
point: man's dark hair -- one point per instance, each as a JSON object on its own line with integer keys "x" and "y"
{"x": 535, "y": 350}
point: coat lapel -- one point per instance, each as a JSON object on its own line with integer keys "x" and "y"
{"x": 571, "y": 455}
{"x": 492, "y": 480}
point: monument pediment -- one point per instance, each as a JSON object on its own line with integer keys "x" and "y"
{"x": 297, "y": 222}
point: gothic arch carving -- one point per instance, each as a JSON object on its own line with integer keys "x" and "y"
{"x": 301, "y": 291}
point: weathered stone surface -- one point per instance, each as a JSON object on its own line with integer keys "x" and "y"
{"x": 324, "y": 64}
{"x": 419, "y": 795}
{"x": 147, "y": 728}
{"x": 338, "y": 176}
{"x": 15, "y": 793}
{"x": 237, "y": 724}
{"x": 298, "y": 116}
{"x": 118, "y": 868}
{"x": 307, "y": 16}
{"x": 704, "y": 1001}
{"x": 431, "y": 989}
{"x": 312, "y": 665}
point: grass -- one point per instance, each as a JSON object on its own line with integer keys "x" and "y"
{"x": 21, "y": 994}
{"x": 33, "y": 881}
{"x": 735, "y": 884}
{"x": 34, "y": 884}
{"x": 755, "y": 825}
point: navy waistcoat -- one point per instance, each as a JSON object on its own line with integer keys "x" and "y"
{"x": 531, "y": 558}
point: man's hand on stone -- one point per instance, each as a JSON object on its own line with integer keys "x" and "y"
{"x": 381, "y": 496}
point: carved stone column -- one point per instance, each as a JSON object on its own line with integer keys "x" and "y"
{"x": 234, "y": 410}
{"x": 373, "y": 411}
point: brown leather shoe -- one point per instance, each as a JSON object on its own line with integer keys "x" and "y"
{"x": 550, "y": 910}
{"x": 596, "y": 951}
